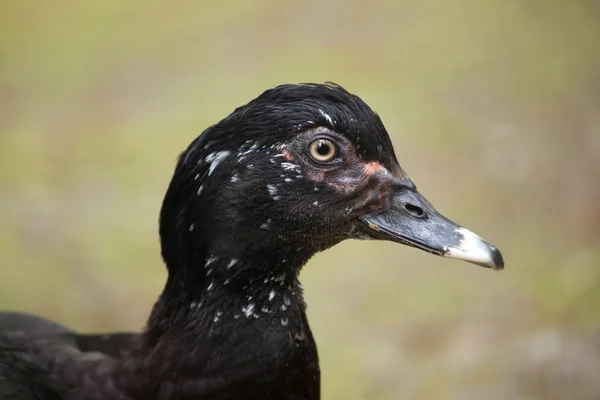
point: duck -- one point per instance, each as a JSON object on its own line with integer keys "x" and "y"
{"x": 295, "y": 171}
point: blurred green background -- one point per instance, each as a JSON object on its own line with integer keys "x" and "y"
{"x": 494, "y": 111}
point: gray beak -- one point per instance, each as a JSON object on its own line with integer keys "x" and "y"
{"x": 413, "y": 221}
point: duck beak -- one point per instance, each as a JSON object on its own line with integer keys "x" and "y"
{"x": 413, "y": 221}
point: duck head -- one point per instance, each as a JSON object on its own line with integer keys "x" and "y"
{"x": 295, "y": 171}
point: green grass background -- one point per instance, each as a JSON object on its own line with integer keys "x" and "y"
{"x": 493, "y": 108}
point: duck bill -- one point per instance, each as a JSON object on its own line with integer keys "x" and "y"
{"x": 413, "y": 221}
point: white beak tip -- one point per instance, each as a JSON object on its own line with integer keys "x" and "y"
{"x": 473, "y": 249}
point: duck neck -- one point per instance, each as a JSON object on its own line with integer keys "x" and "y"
{"x": 225, "y": 291}
{"x": 244, "y": 319}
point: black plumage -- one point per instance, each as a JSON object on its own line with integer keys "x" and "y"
{"x": 292, "y": 173}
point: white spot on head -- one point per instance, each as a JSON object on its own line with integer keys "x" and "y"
{"x": 195, "y": 304}
{"x": 326, "y": 116}
{"x": 290, "y": 167}
{"x": 248, "y": 310}
{"x": 266, "y": 224}
{"x": 217, "y": 316}
{"x": 211, "y": 260}
{"x": 216, "y": 159}
{"x": 272, "y": 191}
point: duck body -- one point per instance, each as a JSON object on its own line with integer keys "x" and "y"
{"x": 252, "y": 199}
{"x": 258, "y": 345}
{"x": 21, "y": 376}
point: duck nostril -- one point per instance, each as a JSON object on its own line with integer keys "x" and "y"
{"x": 414, "y": 211}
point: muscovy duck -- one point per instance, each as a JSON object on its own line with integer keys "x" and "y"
{"x": 294, "y": 172}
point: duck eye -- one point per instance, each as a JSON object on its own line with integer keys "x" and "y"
{"x": 323, "y": 150}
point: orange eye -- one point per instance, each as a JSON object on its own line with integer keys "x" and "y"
{"x": 323, "y": 150}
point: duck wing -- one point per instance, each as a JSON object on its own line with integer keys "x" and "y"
{"x": 113, "y": 344}
{"x": 22, "y": 376}
{"x": 40, "y": 359}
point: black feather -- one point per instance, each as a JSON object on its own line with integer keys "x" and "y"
{"x": 238, "y": 221}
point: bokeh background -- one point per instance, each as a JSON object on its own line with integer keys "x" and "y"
{"x": 493, "y": 108}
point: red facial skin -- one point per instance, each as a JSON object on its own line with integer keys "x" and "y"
{"x": 368, "y": 183}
